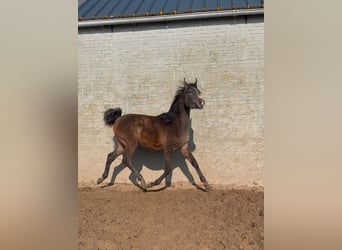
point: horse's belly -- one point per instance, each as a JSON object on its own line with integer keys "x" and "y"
{"x": 153, "y": 146}
{"x": 150, "y": 143}
{"x": 150, "y": 139}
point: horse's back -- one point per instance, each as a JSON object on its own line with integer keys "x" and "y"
{"x": 139, "y": 129}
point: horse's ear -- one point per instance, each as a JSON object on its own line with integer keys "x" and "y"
{"x": 195, "y": 83}
{"x": 184, "y": 82}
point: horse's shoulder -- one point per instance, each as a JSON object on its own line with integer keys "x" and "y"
{"x": 166, "y": 118}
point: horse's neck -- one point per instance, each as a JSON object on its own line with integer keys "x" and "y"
{"x": 179, "y": 112}
{"x": 183, "y": 114}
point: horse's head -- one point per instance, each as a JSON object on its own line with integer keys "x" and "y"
{"x": 192, "y": 95}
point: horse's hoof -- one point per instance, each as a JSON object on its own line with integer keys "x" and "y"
{"x": 99, "y": 181}
{"x": 142, "y": 184}
{"x": 207, "y": 187}
{"x": 150, "y": 184}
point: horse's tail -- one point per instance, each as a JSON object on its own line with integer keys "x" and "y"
{"x": 110, "y": 116}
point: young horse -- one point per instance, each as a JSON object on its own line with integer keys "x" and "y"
{"x": 167, "y": 131}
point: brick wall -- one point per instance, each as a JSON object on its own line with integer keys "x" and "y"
{"x": 139, "y": 68}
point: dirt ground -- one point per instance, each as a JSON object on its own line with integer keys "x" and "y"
{"x": 124, "y": 217}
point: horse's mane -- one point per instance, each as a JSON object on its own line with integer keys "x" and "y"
{"x": 170, "y": 116}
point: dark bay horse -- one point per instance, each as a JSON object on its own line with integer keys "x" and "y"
{"x": 167, "y": 132}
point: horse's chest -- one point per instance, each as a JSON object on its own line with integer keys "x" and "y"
{"x": 178, "y": 138}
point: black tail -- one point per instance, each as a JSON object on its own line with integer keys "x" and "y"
{"x": 111, "y": 115}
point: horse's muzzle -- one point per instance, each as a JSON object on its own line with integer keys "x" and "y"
{"x": 200, "y": 103}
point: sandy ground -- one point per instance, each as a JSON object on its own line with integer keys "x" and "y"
{"x": 183, "y": 217}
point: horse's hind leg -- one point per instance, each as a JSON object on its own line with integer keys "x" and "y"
{"x": 110, "y": 158}
{"x": 127, "y": 160}
{"x": 188, "y": 155}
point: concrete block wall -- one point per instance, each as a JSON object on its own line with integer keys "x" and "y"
{"x": 139, "y": 70}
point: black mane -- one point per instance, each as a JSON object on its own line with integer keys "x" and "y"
{"x": 171, "y": 114}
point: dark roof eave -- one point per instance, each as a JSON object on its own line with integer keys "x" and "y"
{"x": 175, "y": 17}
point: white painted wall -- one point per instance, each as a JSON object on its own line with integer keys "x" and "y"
{"x": 139, "y": 70}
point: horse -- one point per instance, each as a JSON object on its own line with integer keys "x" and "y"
{"x": 168, "y": 131}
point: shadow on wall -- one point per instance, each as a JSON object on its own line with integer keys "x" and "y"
{"x": 154, "y": 160}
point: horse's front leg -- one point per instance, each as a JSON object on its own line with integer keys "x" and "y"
{"x": 167, "y": 170}
{"x": 188, "y": 155}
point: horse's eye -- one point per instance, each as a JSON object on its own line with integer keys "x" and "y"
{"x": 189, "y": 92}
